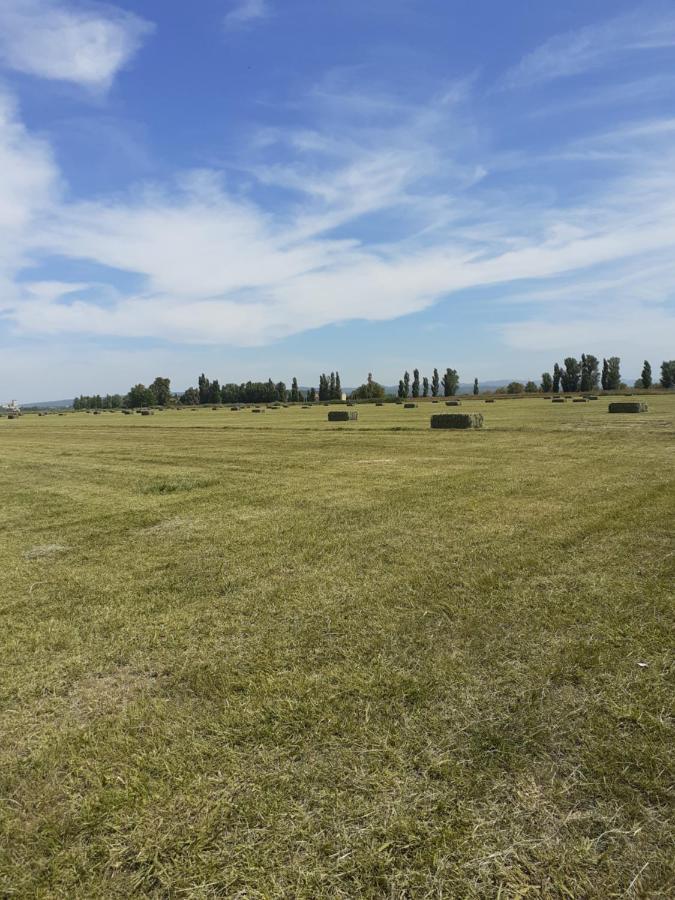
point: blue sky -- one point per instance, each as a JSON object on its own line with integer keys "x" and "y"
{"x": 261, "y": 188}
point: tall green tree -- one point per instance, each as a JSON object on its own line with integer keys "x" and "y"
{"x": 570, "y": 375}
{"x": 138, "y": 396}
{"x": 613, "y": 373}
{"x": 214, "y": 392}
{"x": 531, "y": 388}
{"x": 546, "y": 383}
{"x": 416, "y": 383}
{"x": 450, "y": 382}
{"x": 556, "y": 378}
{"x": 476, "y": 389}
{"x": 435, "y": 384}
{"x": 371, "y": 390}
{"x": 402, "y": 390}
{"x": 425, "y": 386}
{"x": 281, "y": 392}
{"x": 295, "y": 393}
{"x": 161, "y": 390}
{"x": 646, "y": 376}
{"x": 668, "y": 373}
{"x": 203, "y": 388}
{"x": 406, "y": 383}
{"x": 589, "y": 372}
{"x": 604, "y": 379}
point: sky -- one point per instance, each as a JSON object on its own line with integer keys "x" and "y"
{"x": 276, "y": 188}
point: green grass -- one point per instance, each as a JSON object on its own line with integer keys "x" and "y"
{"x": 265, "y": 657}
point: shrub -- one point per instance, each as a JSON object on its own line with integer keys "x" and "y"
{"x": 341, "y": 415}
{"x": 453, "y": 402}
{"x": 457, "y": 420}
{"x": 628, "y": 407}
{"x": 409, "y": 405}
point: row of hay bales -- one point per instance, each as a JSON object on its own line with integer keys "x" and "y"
{"x": 439, "y": 420}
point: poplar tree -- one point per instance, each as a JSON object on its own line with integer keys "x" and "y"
{"x": 450, "y": 382}
{"x": 416, "y": 383}
{"x": 546, "y": 383}
{"x": 646, "y": 375}
{"x": 475, "y": 387}
{"x": 425, "y": 386}
{"x": 435, "y": 384}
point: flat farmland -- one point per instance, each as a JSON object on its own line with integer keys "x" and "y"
{"x": 265, "y": 655}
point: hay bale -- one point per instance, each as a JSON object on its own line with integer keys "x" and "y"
{"x": 147, "y": 412}
{"x": 234, "y": 409}
{"x": 457, "y": 420}
{"x": 579, "y": 400}
{"x": 558, "y": 400}
{"x": 591, "y": 397}
{"x": 305, "y": 406}
{"x": 379, "y": 403}
{"x": 409, "y": 406}
{"x": 257, "y": 410}
{"x": 629, "y": 406}
{"x": 453, "y": 402}
{"x": 341, "y": 415}
{"x": 12, "y": 416}
{"x": 489, "y": 401}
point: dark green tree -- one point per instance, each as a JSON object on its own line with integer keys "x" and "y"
{"x": 646, "y": 376}
{"x": 161, "y": 390}
{"x": 337, "y": 394}
{"x": 138, "y": 396}
{"x": 476, "y": 389}
{"x": 450, "y": 382}
{"x": 281, "y": 392}
{"x": 556, "y": 378}
{"x": 668, "y": 373}
{"x": 371, "y": 390}
{"x": 214, "y": 392}
{"x": 546, "y": 383}
{"x": 402, "y": 392}
{"x": 416, "y": 383}
{"x": 190, "y": 397}
{"x": 570, "y": 375}
{"x": 515, "y": 387}
{"x": 203, "y": 388}
{"x": 613, "y": 373}
{"x": 406, "y": 382}
{"x": 435, "y": 384}
{"x": 295, "y": 393}
{"x": 589, "y": 372}
{"x": 604, "y": 380}
{"x": 531, "y": 388}
{"x": 425, "y": 386}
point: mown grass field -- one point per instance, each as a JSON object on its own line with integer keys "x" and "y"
{"x": 264, "y": 656}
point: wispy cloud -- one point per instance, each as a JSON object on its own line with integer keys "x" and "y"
{"x": 245, "y": 12}
{"x": 594, "y": 45}
{"x": 52, "y": 39}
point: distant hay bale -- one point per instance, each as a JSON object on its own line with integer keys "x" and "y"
{"x": 558, "y": 400}
{"x": 147, "y": 412}
{"x": 305, "y": 406}
{"x": 591, "y": 397}
{"x": 409, "y": 406}
{"x": 341, "y": 415}
{"x": 97, "y": 412}
{"x": 127, "y": 412}
{"x": 379, "y": 403}
{"x": 629, "y": 406}
{"x": 457, "y": 420}
{"x": 579, "y": 400}
{"x": 489, "y": 401}
{"x": 12, "y": 416}
{"x": 257, "y": 409}
{"x": 234, "y": 409}
{"x": 434, "y": 401}
{"x": 453, "y": 402}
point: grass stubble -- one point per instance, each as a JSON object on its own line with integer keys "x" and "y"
{"x": 275, "y": 658}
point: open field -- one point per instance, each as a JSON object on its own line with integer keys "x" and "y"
{"x": 269, "y": 656}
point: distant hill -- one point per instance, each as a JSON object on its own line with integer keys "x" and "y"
{"x": 48, "y": 404}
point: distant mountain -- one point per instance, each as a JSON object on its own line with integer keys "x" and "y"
{"x": 48, "y": 404}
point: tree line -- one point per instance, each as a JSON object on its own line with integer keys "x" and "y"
{"x": 572, "y": 375}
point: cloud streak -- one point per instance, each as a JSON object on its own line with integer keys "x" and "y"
{"x": 245, "y": 13}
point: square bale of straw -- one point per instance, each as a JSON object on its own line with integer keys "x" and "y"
{"x": 629, "y": 406}
{"x": 579, "y": 400}
{"x": 409, "y": 405}
{"x": 558, "y": 400}
{"x": 257, "y": 410}
{"x": 457, "y": 420}
{"x": 342, "y": 415}
{"x": 489, "y": 401}
{"x": 453, "y": 402}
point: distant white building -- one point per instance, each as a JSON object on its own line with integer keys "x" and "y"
{"x": 343, "y": 396}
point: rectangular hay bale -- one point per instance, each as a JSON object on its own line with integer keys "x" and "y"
{"x": 342, "y": 415}
{"x": 457, "y": 420}
{"x": 629, "y": 406}
{"x": 453, "y": 402}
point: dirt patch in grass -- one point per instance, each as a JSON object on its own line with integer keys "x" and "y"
{"x": 44, "y": 551}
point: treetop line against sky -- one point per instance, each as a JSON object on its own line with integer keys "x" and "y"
{"x": 262, "y": 186}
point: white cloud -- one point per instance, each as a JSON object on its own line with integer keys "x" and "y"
{"x": 595, "y": 45}
{"x": 245, "y": 12}
{"x": 84, "y": 45}
{"x": 218, "y": 266}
